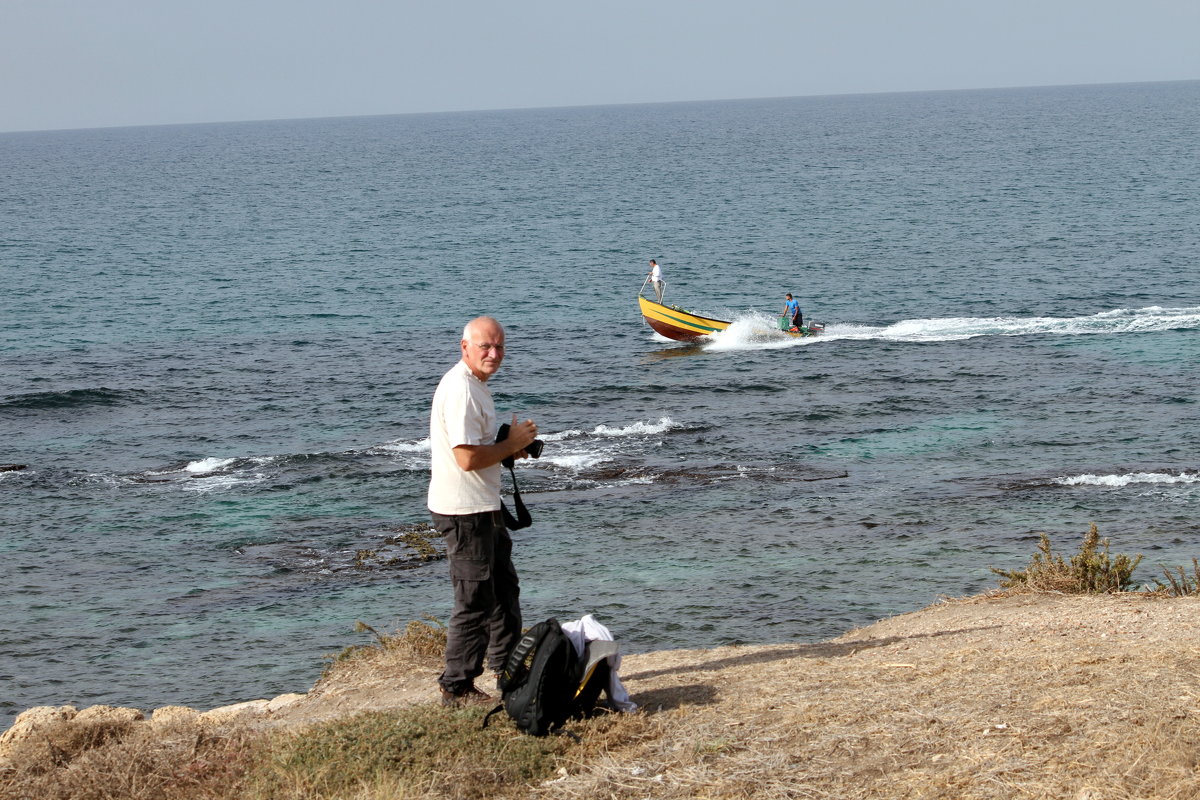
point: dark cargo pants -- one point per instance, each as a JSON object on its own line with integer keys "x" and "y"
{"x": 487, "y": 611}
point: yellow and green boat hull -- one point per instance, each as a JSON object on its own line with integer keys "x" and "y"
{"x": 675, "y": 323}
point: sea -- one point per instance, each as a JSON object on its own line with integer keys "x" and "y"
{"x": 219, "y": 342}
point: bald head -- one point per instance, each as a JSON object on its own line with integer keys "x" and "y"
{"x": 483, "y": 346}
{"x": 481, "y": 323}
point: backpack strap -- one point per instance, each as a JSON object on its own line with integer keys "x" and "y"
{"x": 514, "y": 667}
{"x": 488, "y": 716}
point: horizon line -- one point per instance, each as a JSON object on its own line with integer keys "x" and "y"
{"x": 582, "y": 105}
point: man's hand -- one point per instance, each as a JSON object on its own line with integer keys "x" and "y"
{"x": 480, "y": 456}
{"x": 520, "y": 435}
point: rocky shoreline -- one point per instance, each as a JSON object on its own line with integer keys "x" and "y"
{"x": 29, "y": 721}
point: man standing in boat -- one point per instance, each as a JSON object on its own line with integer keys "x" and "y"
{"x": 793, "y": 312}
{"x": 656, "y": 279}
{"x": 464, "y": 499}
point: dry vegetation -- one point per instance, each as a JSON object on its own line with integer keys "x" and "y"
{"x": 103, "y": 760}
{"x": 1021, "y": 693}
{"x": 1092, "y": 570}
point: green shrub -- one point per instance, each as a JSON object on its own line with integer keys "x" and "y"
{"x": 1091, "y": 571}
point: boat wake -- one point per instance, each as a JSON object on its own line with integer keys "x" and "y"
{"x": 758, "y": 331}
{"x": 753, "y": 331}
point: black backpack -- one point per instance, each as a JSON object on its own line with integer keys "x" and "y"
{"x": 544, "y": 683}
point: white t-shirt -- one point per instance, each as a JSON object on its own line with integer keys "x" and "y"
{"x": 462, "y": 413}
{"x": 656, "y": 273}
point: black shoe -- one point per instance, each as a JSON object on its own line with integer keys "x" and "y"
{"x": 468, "y": 697}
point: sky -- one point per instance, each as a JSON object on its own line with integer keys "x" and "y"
{"x": 101, "y": 63}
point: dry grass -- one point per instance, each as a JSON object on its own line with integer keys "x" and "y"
{"x": 1035, "y": 695}
{"x": 428, "y": 752}
{"x": 130, "y": 761}
{"x": 1013, "y": 695}
{"x": 1179, "y": 583}
{"x": 419, "y": 750}
{"x": 423, "y": 642}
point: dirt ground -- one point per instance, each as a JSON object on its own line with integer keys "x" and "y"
{"x": 1029, "y": 695}
{"x": 1081, "y": 697}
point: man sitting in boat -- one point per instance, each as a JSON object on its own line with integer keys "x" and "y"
{"x": 656, "y": 279}
{"x": 794, "y": 313}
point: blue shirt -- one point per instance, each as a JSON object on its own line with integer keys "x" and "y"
{"x": 793, "y": 307}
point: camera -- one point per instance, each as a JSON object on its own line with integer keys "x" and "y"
{"x": 534, "y": 448}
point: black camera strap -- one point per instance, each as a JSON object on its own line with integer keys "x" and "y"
{"x": 523, "y": 519}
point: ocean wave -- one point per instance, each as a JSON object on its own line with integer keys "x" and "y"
{"x": 575, "y": 461}
{"x": 208, "y": 465}
{"x": 222, "y": 481}
{"x": 9, "y": 473}
{"x": 639, "y": 428}
{"x": 402, "y": 446}
{"x": 577, "y": 451}
{"x": 70, "y": 398}
{"x": 1129, "y": 479}
{"x": 663, "y": 425}
{"x": 211, "y": 474}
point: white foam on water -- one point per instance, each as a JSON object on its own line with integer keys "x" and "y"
{"x": 752, "y": 331}
{"x": 207, "y": 465}
{"x": 212, "y": 474}
{"x": 639, "y": 428}
{"x": 106, "y": 479}
{"x": 663, "y": 425}
{"x": 402, "y": 446}
{"x": 575, "y": 461}
{"x": 1143, "y": 320}
{"x": 638, "y": 481}
{"x": 1136, "y": 478}
{"x": 212, "y": 483}
{"x": 759, "y": 332}
{"x": 576, "y": 450}
{"x": 559, "y": 436}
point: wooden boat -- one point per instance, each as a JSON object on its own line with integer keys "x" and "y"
{"x": 675, "y": 323}
{"x": 684, "y": 326}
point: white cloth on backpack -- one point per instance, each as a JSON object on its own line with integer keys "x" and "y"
{"x": 586, "y": 629}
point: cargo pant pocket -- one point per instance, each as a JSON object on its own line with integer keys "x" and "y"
{"x": 470, "y": 544}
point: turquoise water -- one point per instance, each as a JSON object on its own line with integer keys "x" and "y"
{"x": 218, "y": 345}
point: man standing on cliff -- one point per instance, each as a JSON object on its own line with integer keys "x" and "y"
{"x": 464, "y": 499}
